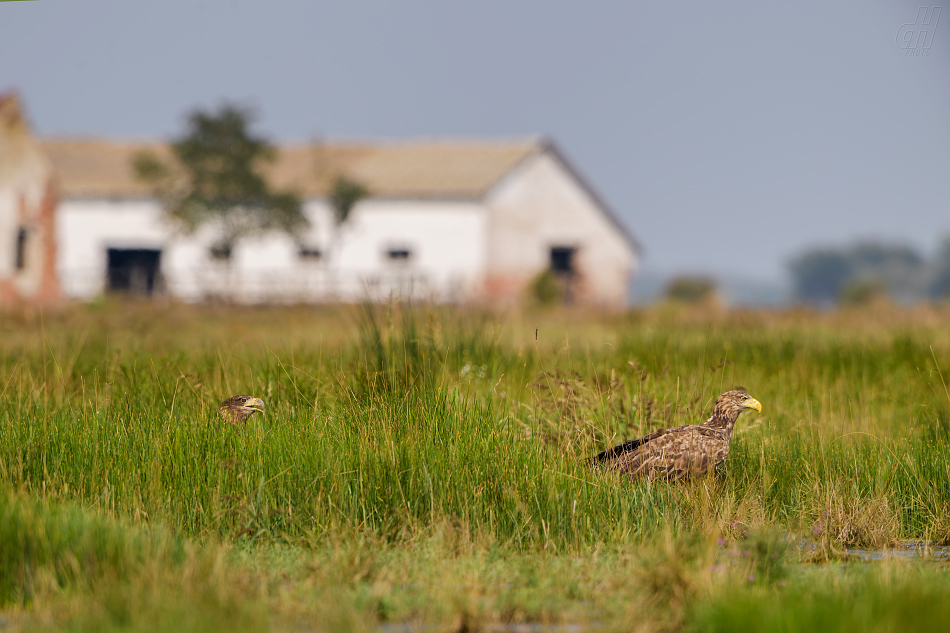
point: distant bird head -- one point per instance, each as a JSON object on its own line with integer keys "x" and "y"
{"x": 237, "y": 409}
{"x": 730, "y": 404}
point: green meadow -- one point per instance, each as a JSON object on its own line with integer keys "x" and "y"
{"x": 425, "y": 469}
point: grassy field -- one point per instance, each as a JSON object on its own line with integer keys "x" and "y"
{"x": 427, "y": 468}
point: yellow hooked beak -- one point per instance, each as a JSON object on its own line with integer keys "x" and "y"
{"x": 253, "y": 403}
{"x": 752, "y": 403}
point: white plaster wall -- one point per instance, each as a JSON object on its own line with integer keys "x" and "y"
{"x": 9, "y": 226}
{"x": 24, "y": 180}
{"x": 20, "y": 203}
{"x": 86, "y": 228}
{"x": 541, "y": 205}
{"x": 446, "y": 240}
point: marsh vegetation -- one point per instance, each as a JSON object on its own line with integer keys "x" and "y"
{"x": 427, "y": 466}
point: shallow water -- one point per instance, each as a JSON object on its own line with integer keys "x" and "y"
{"x": 498, "y": 627}
{"x": 905, "y": 550}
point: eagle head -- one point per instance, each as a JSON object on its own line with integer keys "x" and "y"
{"x": 730, "y": 404}
{"x": 237, "y": 409}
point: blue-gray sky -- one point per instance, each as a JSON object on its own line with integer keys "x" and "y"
{"x": 728, "y": 135}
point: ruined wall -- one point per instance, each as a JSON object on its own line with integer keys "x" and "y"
{"x": 27, "y": 212}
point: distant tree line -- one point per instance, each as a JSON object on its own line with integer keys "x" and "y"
{"x": 691, "y": 289}
{"x": 861, "y": 272}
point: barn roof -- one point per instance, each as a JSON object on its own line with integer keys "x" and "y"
{"x": 417, "y": 169}
{"x": 439, "y": 169}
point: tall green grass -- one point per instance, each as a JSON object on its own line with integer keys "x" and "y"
{"x": 392, "y": 419}
{"x": 899, "y": 597}
{"x": 429, "y": 465}
{"x": 64, "y": 546}
{"x": 62, "y": 565}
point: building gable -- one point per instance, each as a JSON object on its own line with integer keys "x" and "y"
{"x": 542, "y": 216}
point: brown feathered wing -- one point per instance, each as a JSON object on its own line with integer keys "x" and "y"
{"x": 675, "y": 453}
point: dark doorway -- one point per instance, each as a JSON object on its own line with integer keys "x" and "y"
{"x": 564, "y": 267}
{"x": 134, "y": 270}
{"x": 21, "y": 238}
{"x": 562, "y": 260}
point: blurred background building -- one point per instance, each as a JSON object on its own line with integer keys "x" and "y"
{"x": 441, "y": 220}
{"x": 767, "y": 153}
{"x": 27, "y": 212}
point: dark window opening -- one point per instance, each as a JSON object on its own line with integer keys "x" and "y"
{"x": 399, "y": 254}
{"x": 133, "y": 270}
{"x": 220, "y": 252}
{"x": 21, "y": 236}
{"x": 562, "y": 260}
{"x": 310, "y": 253}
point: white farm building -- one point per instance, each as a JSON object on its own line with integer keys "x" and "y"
{"x": 445, "y": 220}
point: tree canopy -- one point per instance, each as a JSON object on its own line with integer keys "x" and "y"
{"x": 828, "y": 275}
{"x": 214, "y": 178}
{"x": 344, "y": 194}
{"x": 820, "y": 275}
